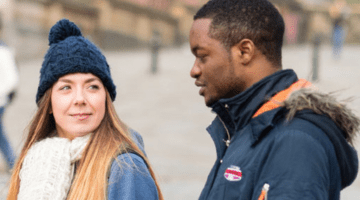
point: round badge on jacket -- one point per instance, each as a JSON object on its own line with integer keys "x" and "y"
{"x": 233, "y": 173}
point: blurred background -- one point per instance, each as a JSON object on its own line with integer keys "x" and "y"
{"x": 124, "y": 24}
{"x": 146, "y": 45}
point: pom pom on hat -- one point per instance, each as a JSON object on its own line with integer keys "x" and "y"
{"x": 70, "y": 52}
{"x": 63, "y": 29}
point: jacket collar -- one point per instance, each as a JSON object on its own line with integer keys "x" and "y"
{"x": 236, "y": 112}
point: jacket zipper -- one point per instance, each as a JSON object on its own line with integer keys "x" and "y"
{"x": 227, "y": 142}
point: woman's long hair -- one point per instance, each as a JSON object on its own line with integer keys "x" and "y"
{"x": 91, "y": 179}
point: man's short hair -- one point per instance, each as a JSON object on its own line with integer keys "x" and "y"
{"x": 235, "y": 20}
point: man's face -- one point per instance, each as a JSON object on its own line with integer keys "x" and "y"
{"x": 213, "y": 69}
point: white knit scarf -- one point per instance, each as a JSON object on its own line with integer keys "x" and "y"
{"x": 48, "y": 168}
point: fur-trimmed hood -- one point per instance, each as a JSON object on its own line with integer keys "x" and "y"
{"x": 307, "y": 104}
{"x": 321, "y": 103}
{"x": 323, "y": 110}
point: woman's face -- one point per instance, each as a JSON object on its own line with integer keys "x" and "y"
{"x": 78, "y": 104}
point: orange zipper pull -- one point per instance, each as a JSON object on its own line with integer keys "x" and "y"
{"x": 264, "y": 191}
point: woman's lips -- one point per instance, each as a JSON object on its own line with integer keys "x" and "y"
{"x": 81, "y": 117}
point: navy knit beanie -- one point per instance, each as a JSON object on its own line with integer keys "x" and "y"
{"x": 70, "y": 52}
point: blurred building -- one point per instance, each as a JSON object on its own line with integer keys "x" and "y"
{"x": 111, "y": 24}
{"x": 123, "y": 24}
{"x": 306, "y": 18}
{"x": 7, "y": 21}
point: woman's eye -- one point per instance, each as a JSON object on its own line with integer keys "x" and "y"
{"x": 94, "y": 87}
{"x": 65, "y": 87}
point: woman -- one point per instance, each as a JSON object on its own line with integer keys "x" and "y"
{"x": 77, "y": 147}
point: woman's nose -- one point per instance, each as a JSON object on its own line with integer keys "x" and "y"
{"x": 80, "y": 97}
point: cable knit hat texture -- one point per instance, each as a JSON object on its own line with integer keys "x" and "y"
{"x": 70, "y": 52}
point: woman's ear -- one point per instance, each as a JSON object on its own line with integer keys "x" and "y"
{"x": 243, "y": 51}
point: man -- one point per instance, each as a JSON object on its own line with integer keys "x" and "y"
{"x": 275, "y": 138}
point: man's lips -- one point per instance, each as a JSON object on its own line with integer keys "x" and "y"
{"x": 201, "y": 85}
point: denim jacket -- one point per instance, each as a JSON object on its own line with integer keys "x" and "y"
{"x": 130, "y": 178}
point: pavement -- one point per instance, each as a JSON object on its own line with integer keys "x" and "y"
{"x": 167, "y": 110}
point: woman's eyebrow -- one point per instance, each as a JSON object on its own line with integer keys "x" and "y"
{"x": 91, "y": 80}
{"x": 65, "y": 80}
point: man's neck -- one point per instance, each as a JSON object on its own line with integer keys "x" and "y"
{"x": 259, "y": 68}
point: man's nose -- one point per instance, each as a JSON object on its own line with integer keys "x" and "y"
{"x": 195, "y": 70}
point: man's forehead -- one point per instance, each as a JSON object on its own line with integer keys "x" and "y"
{"x": 199, "y": 34}
{"x": 201, "y": 26}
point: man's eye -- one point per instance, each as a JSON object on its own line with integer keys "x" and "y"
{"x": 202, "y": 58}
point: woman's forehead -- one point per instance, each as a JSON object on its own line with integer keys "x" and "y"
{"x": 74, "y": 77}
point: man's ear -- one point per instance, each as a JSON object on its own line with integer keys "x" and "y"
{"x": 244, "y": 51}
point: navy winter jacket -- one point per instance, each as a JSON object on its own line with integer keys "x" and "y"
{"x": 307, "y": 157}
